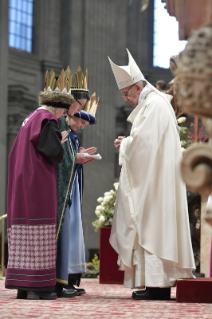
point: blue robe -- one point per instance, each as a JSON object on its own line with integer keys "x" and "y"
{"x": 71, "y": 249}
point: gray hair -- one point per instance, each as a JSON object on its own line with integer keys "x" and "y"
{"x": 48, "y": 108}
{"x": 142, "y": 83}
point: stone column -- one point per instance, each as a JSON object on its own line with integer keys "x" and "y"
{"x": 3, "y": 101}
{"x": 205, "y": 241}
{"x": 91, "y": 41}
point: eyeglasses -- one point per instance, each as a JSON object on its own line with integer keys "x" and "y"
{"x": 125, "y": 95}
{"x": 80, "y": 104}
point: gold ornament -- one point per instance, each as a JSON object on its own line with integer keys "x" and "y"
{"x": 57, "y": 90}
{"x": 92, "y": 105}
{"x": 60, "y": 84}
{"x": 79, "y": 81}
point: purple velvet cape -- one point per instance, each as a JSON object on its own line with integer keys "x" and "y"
{"x": 32, "y": 210}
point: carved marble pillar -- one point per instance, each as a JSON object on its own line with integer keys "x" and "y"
{"x": 205, "y": 240}
{"x": 3, "y": 101}
{"x": 191, "y": 14}
{"x": 195, "y": 97}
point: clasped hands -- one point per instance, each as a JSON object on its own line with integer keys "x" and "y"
{"x": 118, "y": 141}
{"x": 85, "y": 160}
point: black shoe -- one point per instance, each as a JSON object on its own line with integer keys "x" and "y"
{"x": 21, "y": 294}
{"x": 36, "y": 295}
{"x": 79, "y": 290}
{"x": 67, "y": 293}
{"x": 152, "y": 294}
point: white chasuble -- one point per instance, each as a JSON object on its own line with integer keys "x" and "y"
{"x": 150, "y": 230}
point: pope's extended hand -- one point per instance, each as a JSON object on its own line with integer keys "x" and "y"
{"x": 64, "y": 137}
{"x": 118, "y": 141}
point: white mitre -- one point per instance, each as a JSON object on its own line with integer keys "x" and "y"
{"x": 127, "y": 75}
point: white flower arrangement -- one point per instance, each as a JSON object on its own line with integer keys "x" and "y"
{"x": 100, "y": 199}
{"x": 98, "y": 211}
{"x": 181, "y": 120}
{"x": 116, "y": 185}
{"x": 107, "y": 199}
{"x": 105, "y": 210}
{"x": 101, "y": 219}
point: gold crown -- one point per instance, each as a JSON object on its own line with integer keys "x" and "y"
{"x": 57, "y": 91}
{"x": 66, "y": 81}
{"x": 80, "y": 81}
{"x": 92, "y": 105}
{"x": 65, "y": 84}
{"x": 62, "y": 84}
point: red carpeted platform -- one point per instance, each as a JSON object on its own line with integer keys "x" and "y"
{"x": 99, "y": 302}
{"x": 108, "y": 271}
{"x": 197, "y": 290}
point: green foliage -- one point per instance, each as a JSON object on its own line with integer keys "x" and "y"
{"x": 188, "y": 138}
{"x": 184, "y": 137}
{"x": 92, "y": 268}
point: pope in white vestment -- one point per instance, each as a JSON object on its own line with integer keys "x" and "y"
{"x": 150, "y": 230}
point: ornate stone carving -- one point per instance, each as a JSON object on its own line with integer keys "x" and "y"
{"x": 196, "y": 168}
{"x": 195, "y": 74}
{"x": 191, "y": 14}
{"x": 207, "y": 122}
{"x": 16, "y": 115}
{"x": 20, "y": 105}
{"x": 173, "y": 84}
{"x": 208, "y": 215}
{"x": 195, "y": 97}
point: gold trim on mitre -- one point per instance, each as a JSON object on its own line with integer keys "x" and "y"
{"x": 92, "y": 105}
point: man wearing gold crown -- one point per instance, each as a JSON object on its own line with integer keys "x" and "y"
{"x": 150, "y": 230}
{"x": 71, "y": 252}
{"x": 32, "y": 194}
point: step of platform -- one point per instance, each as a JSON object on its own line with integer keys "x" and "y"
{"x": 197, "y": 290}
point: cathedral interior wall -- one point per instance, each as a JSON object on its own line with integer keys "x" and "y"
{"x": 77, "y": 32}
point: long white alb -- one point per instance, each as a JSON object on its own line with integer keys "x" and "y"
{"x": 150, "y": 230}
